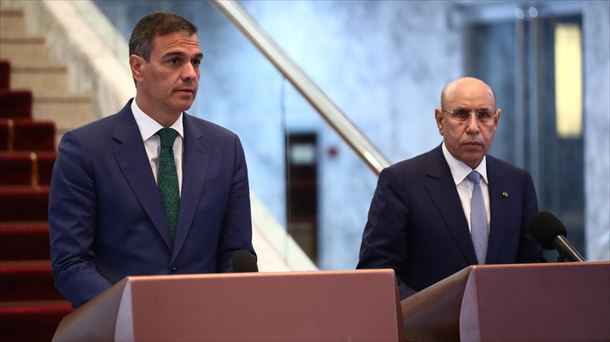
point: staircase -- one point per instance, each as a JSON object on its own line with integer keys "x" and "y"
{"x": 36, "y": 108}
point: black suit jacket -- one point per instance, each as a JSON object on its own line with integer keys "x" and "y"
{"x": 417, "y": 225}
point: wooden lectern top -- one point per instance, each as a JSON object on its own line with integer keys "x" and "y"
{"x": 515, "y": 302}
{"x": 360, "y": 305}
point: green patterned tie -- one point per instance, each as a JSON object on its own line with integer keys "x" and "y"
{"x": 167, "y": 178}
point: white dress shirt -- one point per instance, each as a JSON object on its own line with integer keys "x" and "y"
{"x": 148, "y": 129}
{"x": 459, "y": 171}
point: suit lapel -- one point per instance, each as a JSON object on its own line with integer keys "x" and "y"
{"x": 194, "y": 171}
{"x": 132, "y": 159}
{"x": 442, "y": 190}
{"x": 499, "y": 208}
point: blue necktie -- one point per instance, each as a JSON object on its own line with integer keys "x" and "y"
{"x": 478, "y": 218}
{"x": 167, "y": 178}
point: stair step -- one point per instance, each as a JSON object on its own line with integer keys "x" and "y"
{"x": 28, "y": 135}
{"x": 66, "y": 110}
{"x": 5, "y": 74}
{"x": 30, "y": 309}
{"x": 40, "y": 78}
{"x": 27, "y": 281}
{"x": 31, "y": 321}
{"x": 23, "y": 51}
{"x": 15, "y": 104}
{"x": 21, "y": 203}
{"x": 26, "y": 168}
{"x": 11, "y": 23}
{"x": 24, "y": 241}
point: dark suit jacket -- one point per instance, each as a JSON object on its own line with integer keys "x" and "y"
{"x": 106, "y": 219}
{"x": 417, "y": 226}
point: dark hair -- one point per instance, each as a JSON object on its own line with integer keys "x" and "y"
{"x": 156, "y": 24}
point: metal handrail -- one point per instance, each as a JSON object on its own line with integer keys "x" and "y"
{"x": 304, "y": 85}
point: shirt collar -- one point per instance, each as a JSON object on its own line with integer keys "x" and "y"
{"x": 459, "y": 169}
{"x": 149, "y": 127}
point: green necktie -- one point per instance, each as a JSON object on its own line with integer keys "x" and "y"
{"x": 167, "y": 178}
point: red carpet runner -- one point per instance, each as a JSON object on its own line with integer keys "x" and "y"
{"x": 30, "y": 306}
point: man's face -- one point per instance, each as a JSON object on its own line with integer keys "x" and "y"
{"x": 467, "y": 137}
{"x": 167, "y": 83}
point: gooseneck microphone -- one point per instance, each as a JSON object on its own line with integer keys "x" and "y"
{"x": 550, "y": 233}
{"x": 244, "y": 261}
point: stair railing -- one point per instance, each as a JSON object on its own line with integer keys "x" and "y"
{"x": 304, "y": 85}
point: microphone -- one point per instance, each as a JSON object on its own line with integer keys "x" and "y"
{"x": 550, "y": 233}
{"x": 244, "y": 261}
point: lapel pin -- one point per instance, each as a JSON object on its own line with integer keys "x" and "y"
{"x": 504, "y": 194}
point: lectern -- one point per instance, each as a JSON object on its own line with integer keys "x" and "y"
{"x": 358, "y": 305}
{"x": 517, "y": 302}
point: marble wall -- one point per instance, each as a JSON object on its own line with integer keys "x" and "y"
{"x": 596, "y": 30}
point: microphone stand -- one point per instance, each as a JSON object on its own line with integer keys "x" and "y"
{"x": 567, "y": 252}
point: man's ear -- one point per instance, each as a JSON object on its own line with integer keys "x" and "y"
{"x": 438, "y": 116}
{"x": 136, "y": 63}
{"x": 497, "y": 119}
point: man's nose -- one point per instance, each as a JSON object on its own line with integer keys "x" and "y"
{"x": 189, "y": 71}
{"x": 472, "y": 124}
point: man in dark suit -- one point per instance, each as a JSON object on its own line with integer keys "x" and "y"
{"x": 151, "y": 189}
{"x": 454, "y": 206}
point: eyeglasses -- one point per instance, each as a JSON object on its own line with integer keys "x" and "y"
{"x": 483, "y": 116}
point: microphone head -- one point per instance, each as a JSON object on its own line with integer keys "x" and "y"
{"x": 544, "y": 227}
{"x": 244, "y": 261}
